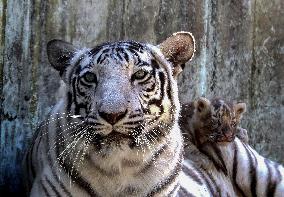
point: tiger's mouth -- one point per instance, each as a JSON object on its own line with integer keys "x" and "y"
{"x": 113, "y": 138}
{"x": 115, "y": 135}
{"x": 224, "y": 138}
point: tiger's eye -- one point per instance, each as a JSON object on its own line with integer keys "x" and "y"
{"x": 90, "y": 77}
{"x": 140, "y": 74}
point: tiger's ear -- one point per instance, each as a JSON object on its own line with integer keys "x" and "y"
{"x": 239, "y": 109}
{"x": 178, "y": 49}
{"x": 59, "y": 54}
{"x": 202, "y": 105}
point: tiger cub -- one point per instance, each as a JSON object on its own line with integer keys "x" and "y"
{"x": 216, "y": 121}
{"x": 213, "y": 126}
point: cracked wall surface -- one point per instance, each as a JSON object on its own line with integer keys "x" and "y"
{"x": 240, "y": 56}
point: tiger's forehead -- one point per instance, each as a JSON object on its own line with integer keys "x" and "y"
{"x": 222, "y": 109}
{"x": 120, "y": 54}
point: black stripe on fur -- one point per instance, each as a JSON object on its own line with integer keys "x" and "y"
{"x": 44, "y": 188}
{"x": 52, "y": 187}
{"x": 252, "y": 171}
{"x": 192, "y": 174}
{"x": 155, "y": 157}
{"x": 169, "y": 180}
{"x": 184, "y": 193}
{"x": 273, "y": 180}
{"x": 235, "y": 169}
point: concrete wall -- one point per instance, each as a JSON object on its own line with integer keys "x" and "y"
{"x": 240, "y": 56}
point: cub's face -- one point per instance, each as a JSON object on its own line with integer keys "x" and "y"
{"x": 123, "y": 90}
{"x": 217, "y": 120}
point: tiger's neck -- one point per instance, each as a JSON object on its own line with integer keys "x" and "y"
{"x": 140, "y": 170}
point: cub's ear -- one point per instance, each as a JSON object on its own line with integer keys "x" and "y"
{"x": 178, "y": 49}
{"x": 59, "y": 54}
{"x": 202, "y": 105}
{"x": 239, "y": 109}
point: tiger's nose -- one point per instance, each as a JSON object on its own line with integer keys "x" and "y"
{"x": 112, "y": 118}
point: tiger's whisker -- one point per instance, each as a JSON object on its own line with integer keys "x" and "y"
{"x": 63, "y": 139}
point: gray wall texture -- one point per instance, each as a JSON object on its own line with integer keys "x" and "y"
{"x": 240, "y": 56}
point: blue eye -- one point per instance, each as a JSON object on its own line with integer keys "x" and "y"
{"x": 140, "y": 74}
{"x": 90, "y": 77}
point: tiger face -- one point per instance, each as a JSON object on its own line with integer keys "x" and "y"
{"x": 217, "y": 120}
{"x": 123, "y": 91}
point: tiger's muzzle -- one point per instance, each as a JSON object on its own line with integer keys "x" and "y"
{"x": 112, "y": 118}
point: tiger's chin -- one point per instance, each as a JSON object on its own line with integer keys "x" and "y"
{"x": 222, "y": 139}
{"x": 113, "y": 145}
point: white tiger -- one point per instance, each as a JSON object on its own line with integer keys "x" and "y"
{"x": 115, "y": 133}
